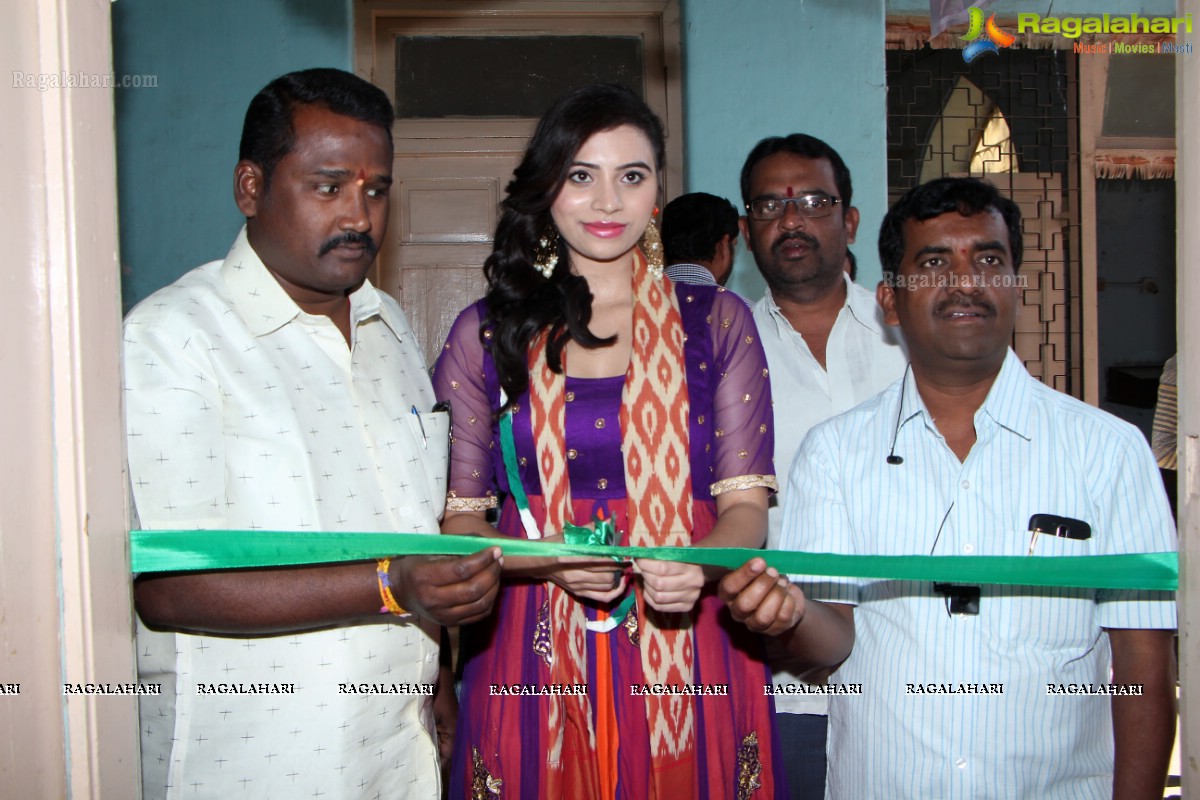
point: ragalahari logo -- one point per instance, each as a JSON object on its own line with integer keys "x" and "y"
{"x": 996, "y": 38}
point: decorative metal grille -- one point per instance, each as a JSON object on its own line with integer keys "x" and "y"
{"x": 1012, "y": 119}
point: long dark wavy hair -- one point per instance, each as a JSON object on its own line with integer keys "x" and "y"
{"x": 520, "y": 301}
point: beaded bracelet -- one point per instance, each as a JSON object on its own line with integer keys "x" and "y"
{"x": 390, "y": 606}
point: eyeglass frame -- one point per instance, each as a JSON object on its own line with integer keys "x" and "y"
{"x": 796, "y": 201}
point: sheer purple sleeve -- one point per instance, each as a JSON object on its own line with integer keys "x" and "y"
{"x": 460, "y": 378}
{"x": 744, "y": 447}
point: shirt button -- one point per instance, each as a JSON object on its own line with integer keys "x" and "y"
{"x": 968, "y": 548}
{"x": 961, "y": 763}
{"x": 966, "y": 484}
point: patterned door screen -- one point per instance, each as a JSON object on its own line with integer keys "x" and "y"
{"x": 1010, "y": 119}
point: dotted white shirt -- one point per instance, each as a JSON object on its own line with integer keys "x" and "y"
{"x": 862, "y": 357}
{"x": 1038, "y": 451}
{"x": 243, "y": 412}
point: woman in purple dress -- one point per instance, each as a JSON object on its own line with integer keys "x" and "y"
{"x": 634, "y": 404}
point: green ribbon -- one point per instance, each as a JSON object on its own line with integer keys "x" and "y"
{"x": 170, "y": 551}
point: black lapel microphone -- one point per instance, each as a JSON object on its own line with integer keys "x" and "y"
{"x": 892, "y": 458}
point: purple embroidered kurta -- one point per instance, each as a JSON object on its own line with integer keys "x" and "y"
{"x": 731, "y": 444}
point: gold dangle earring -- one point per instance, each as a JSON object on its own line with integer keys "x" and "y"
{"x": 651, "y": 245}
{"x": 545, "y": 252}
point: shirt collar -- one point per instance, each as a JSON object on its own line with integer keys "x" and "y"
{"x": 1007, "y": 402}
{"x": 264, "y": 305}
{"x": 694, "y": 272}
{"x": 862, "y": 307}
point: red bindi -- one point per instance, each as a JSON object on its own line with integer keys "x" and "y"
{"x": 362, "y": 176}
{"x": 790, "y": 193}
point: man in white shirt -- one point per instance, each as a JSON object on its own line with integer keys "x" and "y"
{"x": 975, "y": 690}
{"x": 278, "y": 390}
{"x": 827, "y": 349}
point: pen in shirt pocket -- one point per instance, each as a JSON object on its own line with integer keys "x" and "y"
{"x": 441, "y": 405}
{"x": 1053, "y": 525}
{"x": 421, "y": 424}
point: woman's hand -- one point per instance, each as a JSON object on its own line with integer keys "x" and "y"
{"x": 670, "y": 587}
{"x": 599, "y": 579}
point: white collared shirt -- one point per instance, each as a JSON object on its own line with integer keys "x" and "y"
{"x": 1038, "y": 452}
{"x": 862, "y": 357}
{"x": 245, "y": 413}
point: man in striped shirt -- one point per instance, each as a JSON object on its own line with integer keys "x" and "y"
{"x": 974, "y": 691}
{"x": 699, "y": 236}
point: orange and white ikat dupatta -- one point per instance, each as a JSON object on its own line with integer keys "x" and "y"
{"x": 654, "y": 436}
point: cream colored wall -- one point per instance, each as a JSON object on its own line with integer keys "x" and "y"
{"x": 1187, "y": 211}
{"x": 64, "y": 584}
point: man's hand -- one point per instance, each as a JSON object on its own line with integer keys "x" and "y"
{"x": 671, "y": 587}
{"x": 760, "y": 598}
{"x": 449, "y": 591}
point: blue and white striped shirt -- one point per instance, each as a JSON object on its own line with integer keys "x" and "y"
{"x": 1037, "y": 451}
{"x": 696, "y": 274}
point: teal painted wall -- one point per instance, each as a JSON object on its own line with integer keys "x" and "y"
{"x": 177, "y": 144}
{"x": 757, "y": 68}
{"x": 752, "y": 68}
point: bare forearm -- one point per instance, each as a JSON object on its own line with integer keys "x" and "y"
{"x": 449, "y": 591}
{"x": 741, "y": 522}
{"x": 1143, "y": 726}
{"x": 739, "y": 525}
{"x": 260, "y": 601}
{"x": 822, "y": 639}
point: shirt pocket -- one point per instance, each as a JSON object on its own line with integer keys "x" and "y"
{"x": 1051, "y": 619}
{"x": 431, "y": 432}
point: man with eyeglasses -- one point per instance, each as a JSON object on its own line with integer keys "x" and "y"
{"x": 977, "y": 690}
{"x": 827, "y": 349}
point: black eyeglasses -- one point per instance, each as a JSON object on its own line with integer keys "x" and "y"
{"x": 807, "y": 205}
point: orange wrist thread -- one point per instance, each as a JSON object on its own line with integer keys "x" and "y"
{"x": 390, "y": 606}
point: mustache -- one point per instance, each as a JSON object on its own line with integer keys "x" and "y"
{"x": 353, "y": 238}
{"x": 810, "y": 241}
{"x": 955, "y": 302}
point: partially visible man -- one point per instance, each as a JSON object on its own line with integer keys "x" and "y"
{"x": 1164, "y": 431}
{"x": 827, "y": 349}
{"x": 699, "y": 234}
{"x": 975, "y": 691}
{"x": 277, "y": 389}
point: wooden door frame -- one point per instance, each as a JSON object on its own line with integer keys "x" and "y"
{"x": 65, "y": 587}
